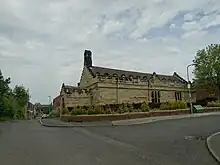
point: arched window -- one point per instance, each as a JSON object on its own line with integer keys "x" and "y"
{"x": 130, "y": 77}
{"x": 106, "y": 75}
{"x": 145, "y": 78}
{"x": 123, "y": 76}
{"x": 115, "y": 75}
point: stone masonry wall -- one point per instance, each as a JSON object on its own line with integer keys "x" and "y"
{"x": 87, "y": 79}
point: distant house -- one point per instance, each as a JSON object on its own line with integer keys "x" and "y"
{"x": 206, "y": 94}
{"x": 31, "y": 112}
{"x": 56, "y": 103}
{"x": 45, "y": 108}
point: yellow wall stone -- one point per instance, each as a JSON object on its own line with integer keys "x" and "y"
{"x": 104, "y": 91}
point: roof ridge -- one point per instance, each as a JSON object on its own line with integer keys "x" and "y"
{"x": 133, "y": 71}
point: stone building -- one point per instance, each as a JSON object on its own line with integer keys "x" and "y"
{"x": 56, "y": 103}
{"x": 99, "y": 85}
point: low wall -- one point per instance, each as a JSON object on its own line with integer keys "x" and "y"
{"x": 113, "y": 117}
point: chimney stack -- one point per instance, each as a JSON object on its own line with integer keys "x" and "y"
{"x": 88, "y": 58}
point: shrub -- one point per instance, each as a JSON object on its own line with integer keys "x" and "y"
{"x": 107, "y": 109}
{"x": 120, "y": 108}
{"x": 213, "y": 104}
{"x": 173, "y": 105}
{"x": 98, "y": 109}
{"x": 130, "y": 108}
{"x": 144, "y": 107}
{"x": 78, "y": 111}
{"x": 125, "y": 108}
{"x": 90, "y": 110}
{"x": 65, "y": 111}
{"x": 154, "y": 105}
{"x": 181, "y": 105}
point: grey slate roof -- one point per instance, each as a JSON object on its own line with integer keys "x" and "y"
{"x": 111, "y": 72}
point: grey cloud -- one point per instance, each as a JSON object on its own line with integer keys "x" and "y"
{"x": 42, "y": 42}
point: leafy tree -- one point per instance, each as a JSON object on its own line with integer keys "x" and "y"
{"x": 4, "y": 94}
{"x": 207, "y": 67}
{"x": 12, "y": 102}
{"x": 21, "y": 95}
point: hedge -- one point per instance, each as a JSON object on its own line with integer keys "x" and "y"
{"x": 128, "y": 108}
{"x": 213, "y": 104}
{"x": 122, "y": 108}
{"x": 133, "y": 115}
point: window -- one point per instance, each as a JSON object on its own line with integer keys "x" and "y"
{"x": 155, "y": 96}
{"x": 178, "y": 96}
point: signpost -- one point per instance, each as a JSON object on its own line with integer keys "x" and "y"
{"x": 189, "y": 88}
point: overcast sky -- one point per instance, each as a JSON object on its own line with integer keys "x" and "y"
{"x": 42, "y": 41}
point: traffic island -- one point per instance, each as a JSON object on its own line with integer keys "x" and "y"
{"x": 213, "y": 144}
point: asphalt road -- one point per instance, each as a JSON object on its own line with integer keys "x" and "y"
{"x": 163, "y": 142}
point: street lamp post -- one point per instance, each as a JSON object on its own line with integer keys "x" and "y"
{"x": 189, "y": 88}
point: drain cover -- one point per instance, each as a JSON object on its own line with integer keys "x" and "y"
{"x": 190, "y": 137}
{"x": 195, "y": 137}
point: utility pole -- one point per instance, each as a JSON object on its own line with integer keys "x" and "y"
{"x": 189, "y": 88}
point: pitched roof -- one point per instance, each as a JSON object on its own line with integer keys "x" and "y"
{"x": 69, "y": 86}
{"x": 111, "y": 72}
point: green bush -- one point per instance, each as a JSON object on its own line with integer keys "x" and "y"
{"x": 173, "y": 105}
{"x": 98, "y": 109}
{"x": 144, "y": 107}
{"x": 65, "y": 111}
{"x": 130, "y": 108}
{"x": 120, "y": 108}
{"x": 78, "y": 111}
{"x": 213, "y": 104}
{"x": 181, "y": 105}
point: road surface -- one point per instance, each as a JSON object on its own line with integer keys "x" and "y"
{"x": 171, "y": 142}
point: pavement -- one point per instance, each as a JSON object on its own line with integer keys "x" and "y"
{"x": 213, "y": 144}
{"x": 157, "y": 143}
{"x": 56, "y": 122}
{"x": 159, "y": 118}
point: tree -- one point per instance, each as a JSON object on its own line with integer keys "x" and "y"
{"x": 4, "y": 95}
{"x": 207, "y": 67}
{"x": 21, "y": 95}
{"x": 12, "y": 102}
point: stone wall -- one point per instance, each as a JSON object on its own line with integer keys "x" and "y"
{"x": 109, "y": 90}
{"x": 127, "y": 92}
{"x": 86, "y": 79}
{"x": 77, "y": 98}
